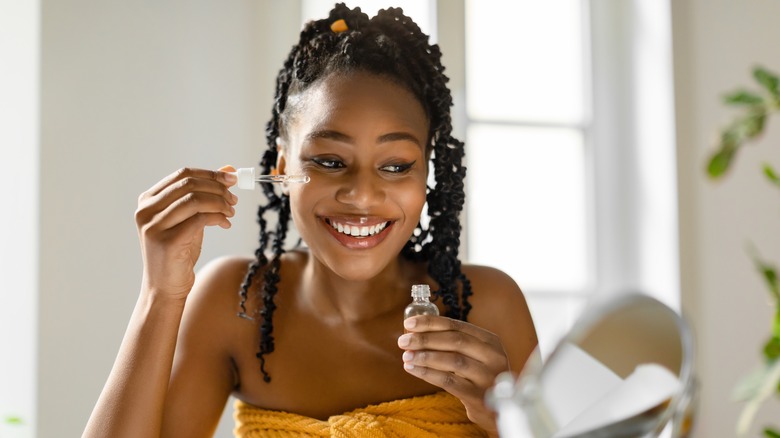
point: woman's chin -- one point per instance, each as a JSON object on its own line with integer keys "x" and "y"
{"x": 354, "y": 267}
{"x": 357, "y": 273}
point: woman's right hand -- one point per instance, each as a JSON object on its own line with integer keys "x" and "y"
{"x": 171, "y": 217}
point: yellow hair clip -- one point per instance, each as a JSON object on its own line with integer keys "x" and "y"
{"x": 339, "y": 26}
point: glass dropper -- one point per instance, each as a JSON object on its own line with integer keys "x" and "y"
{"x": 248, "y": 178}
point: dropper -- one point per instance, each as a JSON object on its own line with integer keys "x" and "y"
{"x": 248, "y": 179}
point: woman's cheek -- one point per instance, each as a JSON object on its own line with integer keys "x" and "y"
{"x": 411, "y": 195}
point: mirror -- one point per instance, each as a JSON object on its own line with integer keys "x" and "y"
{"x": 624, "y": 370}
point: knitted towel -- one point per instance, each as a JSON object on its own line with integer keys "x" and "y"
{"x": 435, "y": 415}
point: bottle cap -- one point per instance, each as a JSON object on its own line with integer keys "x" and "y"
{"x": 421, "y": 291}
{"x": 246, "y": 178}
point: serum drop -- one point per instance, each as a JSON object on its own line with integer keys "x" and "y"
{"x": 421, "y": 304}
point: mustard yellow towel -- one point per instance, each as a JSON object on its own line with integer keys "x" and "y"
{"x": 435, "y": 415}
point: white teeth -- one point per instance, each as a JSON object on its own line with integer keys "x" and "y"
{"x": 357, "y": 231}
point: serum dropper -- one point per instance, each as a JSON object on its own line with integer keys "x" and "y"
{"x": 421, "y": 302}
{"x": 248, "y": 178}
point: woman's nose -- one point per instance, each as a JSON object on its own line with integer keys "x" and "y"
{"x": 361, "y": 188}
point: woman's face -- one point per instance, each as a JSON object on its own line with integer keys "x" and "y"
{"x": 361, "y": 138}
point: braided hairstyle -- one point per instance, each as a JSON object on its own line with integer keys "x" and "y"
{"x": 393, "y": 46}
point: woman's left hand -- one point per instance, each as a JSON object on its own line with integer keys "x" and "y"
{"x": 458, "y": 357}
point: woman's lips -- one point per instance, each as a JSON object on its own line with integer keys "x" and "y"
{"x": 358, "y": 233}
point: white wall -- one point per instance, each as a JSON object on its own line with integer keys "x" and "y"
{"x": 19, "y": 57}
{"x": 716, "y": 43}
{"x": 131, "y": 91}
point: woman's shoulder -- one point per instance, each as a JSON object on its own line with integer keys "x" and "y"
{"x": 491, "y": 284}
{"x": 499, "y": 306}
{"x": 220, "y": 277}
{"x": 493, "y": 293}
{"x": 223, "y": 278}
{"x": 216, "y": 290}
{"x": 225, "y": 267}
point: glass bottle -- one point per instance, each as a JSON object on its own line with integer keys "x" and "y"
{"x": 421, "y": 304}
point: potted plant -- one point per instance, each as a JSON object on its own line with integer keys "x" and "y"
{"x": 755, "y": 108}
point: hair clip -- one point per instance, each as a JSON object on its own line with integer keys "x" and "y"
{"x": 339, "y": 26}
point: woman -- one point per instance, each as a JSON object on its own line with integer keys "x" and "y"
{"x": 362, "y": 108}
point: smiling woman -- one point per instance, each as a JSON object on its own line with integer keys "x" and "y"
{"x": 361, "y": 108}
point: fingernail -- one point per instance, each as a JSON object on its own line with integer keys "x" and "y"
{"x": 404, "y": 340}
{"x": 410, "y": 323}
{"x": 229, "y": 177}
{"x": 408, "y": 356}
{"x": 408, "y": 366}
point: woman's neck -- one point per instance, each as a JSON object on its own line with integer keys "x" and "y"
{"x": 341, "y": 301}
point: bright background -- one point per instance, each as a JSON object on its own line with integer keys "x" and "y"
{"x": 587, "y": 125}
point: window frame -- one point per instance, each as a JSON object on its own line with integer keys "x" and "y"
{"x": 632, "y": 219}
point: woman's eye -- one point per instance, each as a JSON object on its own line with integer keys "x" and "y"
{"x": 328, "y": 163}
{"x": 398, "y": 168}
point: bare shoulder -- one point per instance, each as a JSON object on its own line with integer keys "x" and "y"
{"x": 216, "y": 296}
{"x": 219, "y": 282}
{"x": 210, "y": 322}
{"x": 492, "y": 289}
{"x": 214, "y": 301}
{"x": 220, "y": 272}
{"x": 499, "y": 306}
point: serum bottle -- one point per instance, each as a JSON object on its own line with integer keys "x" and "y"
{"x": 421, "y": 304}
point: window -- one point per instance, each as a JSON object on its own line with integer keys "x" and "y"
{"x": 566, "y": 109}
{"x": 568, "y": 118}
{"x": 528, "y": 137}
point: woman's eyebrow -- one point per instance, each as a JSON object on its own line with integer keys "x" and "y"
{"x": 399, "y": 136}
{"x": 330, "y": 134}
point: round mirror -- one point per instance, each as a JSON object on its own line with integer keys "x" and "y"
{"x": 624, "y": 370}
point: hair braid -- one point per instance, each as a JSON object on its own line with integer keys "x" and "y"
{"x": 391, "y": 45}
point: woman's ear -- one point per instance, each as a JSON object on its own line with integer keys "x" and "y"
{"x": 281, "y": 159}
{"x": 281, "y": 162}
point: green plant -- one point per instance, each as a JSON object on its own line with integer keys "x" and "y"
{"x": 755, "y": 107}
{"x": 12, "y": 420}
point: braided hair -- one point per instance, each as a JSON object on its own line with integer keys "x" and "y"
{"x": 393, "y": 46}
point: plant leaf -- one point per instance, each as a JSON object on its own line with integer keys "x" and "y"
{"x": 772, "y": 346}
{"x": 769, "y": 272}
{"x": 749, "y": 385}
{"x": 770, "y": 174}
{"x": 769, "y": 377}
{"x": 720, "y": 162}
{"x": 743, "y": 97}
{"x": 752, "y": 125}
{"x": 771, "y": 433}
{"x": 776, "y": 326}
{"x": 769, "y": 80}
{"x": 770, "y": 276}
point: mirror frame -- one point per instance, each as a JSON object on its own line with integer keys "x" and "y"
{"x": 518, "y": 401}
